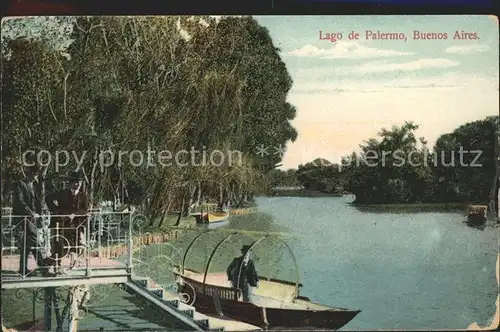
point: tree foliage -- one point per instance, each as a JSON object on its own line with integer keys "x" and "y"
{"x": 396, "y": 167}
{"x": 150, "y": 84}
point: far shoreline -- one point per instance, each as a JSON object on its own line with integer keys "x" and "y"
{"x": 301, "y": 193}
{"x": 412, "y": 207}
{"x": 449, "y": 206}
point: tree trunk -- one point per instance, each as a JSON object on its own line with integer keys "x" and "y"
{"x": 498, "y": 203}
{"x": 43, "y": 193}
{"x": 198, "y": 199}
{"x": 492, "y": 205}
{"x": 192, "y": 191}
{"x": 232, "y": 194}
{"x": 181, "y": 210}
{"x": 165, "y": 213}
{"x": 92, "y": 183}
{"x": 221, "y": 193}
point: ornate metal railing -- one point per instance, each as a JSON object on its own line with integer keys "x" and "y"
{"x": 64, "y": 244}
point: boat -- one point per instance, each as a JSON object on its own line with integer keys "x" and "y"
{"x": 214, "y": 217}
{"x": 209, "y": 214}
{"x": 274, "y": 304}
{"x": 477, "y": 214}
{"x": 214, "y": 225}
{"x": 283, "y": 310}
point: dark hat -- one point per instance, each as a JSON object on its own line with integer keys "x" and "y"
{"x": 30, "y": 163}
{"x": 32, "y": 168}
{"x": 245, "y": 249}
{"x": 76, "y": 176}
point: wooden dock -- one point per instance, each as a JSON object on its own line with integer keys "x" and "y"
{"x": 98, "y": 271}
{"x": 11, "y": 263}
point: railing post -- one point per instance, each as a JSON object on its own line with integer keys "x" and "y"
{"x": 23, "y": 255}
{"x": 99, "y": 233}
{"x": 130, "y": 244}
{"x": 87, "y": 245}
{"x": 48, "y": 293}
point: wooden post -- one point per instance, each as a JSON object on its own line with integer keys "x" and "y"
{"x": 73, "y": 324}
{"x": 78, "y": 295}
{"x": 34, "y": 307}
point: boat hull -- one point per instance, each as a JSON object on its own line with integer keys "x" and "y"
{"x": 477, "y": 215}
{"x": 476, "y": 219}
{"x": 201, "y": 217}
{"x": 211, "y": 217}
{"x": 217, "y": 217}
{"x": 215, "y": 300}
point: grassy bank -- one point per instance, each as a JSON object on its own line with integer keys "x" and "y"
{"x": 170, "y": 221}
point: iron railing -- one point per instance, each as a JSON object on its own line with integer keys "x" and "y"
{"x": 62, "y": 244}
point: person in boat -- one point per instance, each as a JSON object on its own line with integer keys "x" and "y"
{"x": 225, "y": 206}
{"x": 66, "y": 202}
{"x": 220, "y": 207}
{"x": 242, "y": 273}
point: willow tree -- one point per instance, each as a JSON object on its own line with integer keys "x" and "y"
{"x": 243, "y": 50}
{"x": 35, "y": 108}
{"x": 166, "y": 83}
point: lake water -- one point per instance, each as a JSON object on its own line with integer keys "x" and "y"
{"x": 403, "y": 270}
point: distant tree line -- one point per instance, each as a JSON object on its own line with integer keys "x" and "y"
{"x": 396, "y": 167}
{"x": 136, "y": 83}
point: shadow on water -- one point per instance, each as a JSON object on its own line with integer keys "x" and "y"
{"x": 108, "y": 314}
{"x": 488, "y": 224}
{"x": 150, "y": 312}
{"x": 480, "y": 227}
{"x": 124, "y": 311}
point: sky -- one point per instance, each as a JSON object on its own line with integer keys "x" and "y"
{"x": 346, "y": 91}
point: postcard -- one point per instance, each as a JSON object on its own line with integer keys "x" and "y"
{"x": 246, "y": 173}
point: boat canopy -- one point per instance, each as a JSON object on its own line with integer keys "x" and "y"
{"x": 210, "y": 252}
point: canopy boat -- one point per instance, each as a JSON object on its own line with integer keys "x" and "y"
{"x": 216, "y": 296}
{"x": 209, "y": 213}
{"x": 274, "y": 304}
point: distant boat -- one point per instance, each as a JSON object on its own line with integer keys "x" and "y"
{"x": 217, "y": 217}
{"x": 208, "y": 214}
{"x": 477, "y": 214}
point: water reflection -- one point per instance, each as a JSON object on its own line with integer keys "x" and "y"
{"x": 480, "y": 227}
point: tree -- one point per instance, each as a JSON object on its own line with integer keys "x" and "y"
{"x": 152, "y": 84}
{"x": 464, "y": 162}
{"x": 321, "y": 175}
{"x": 392, "y": 169}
